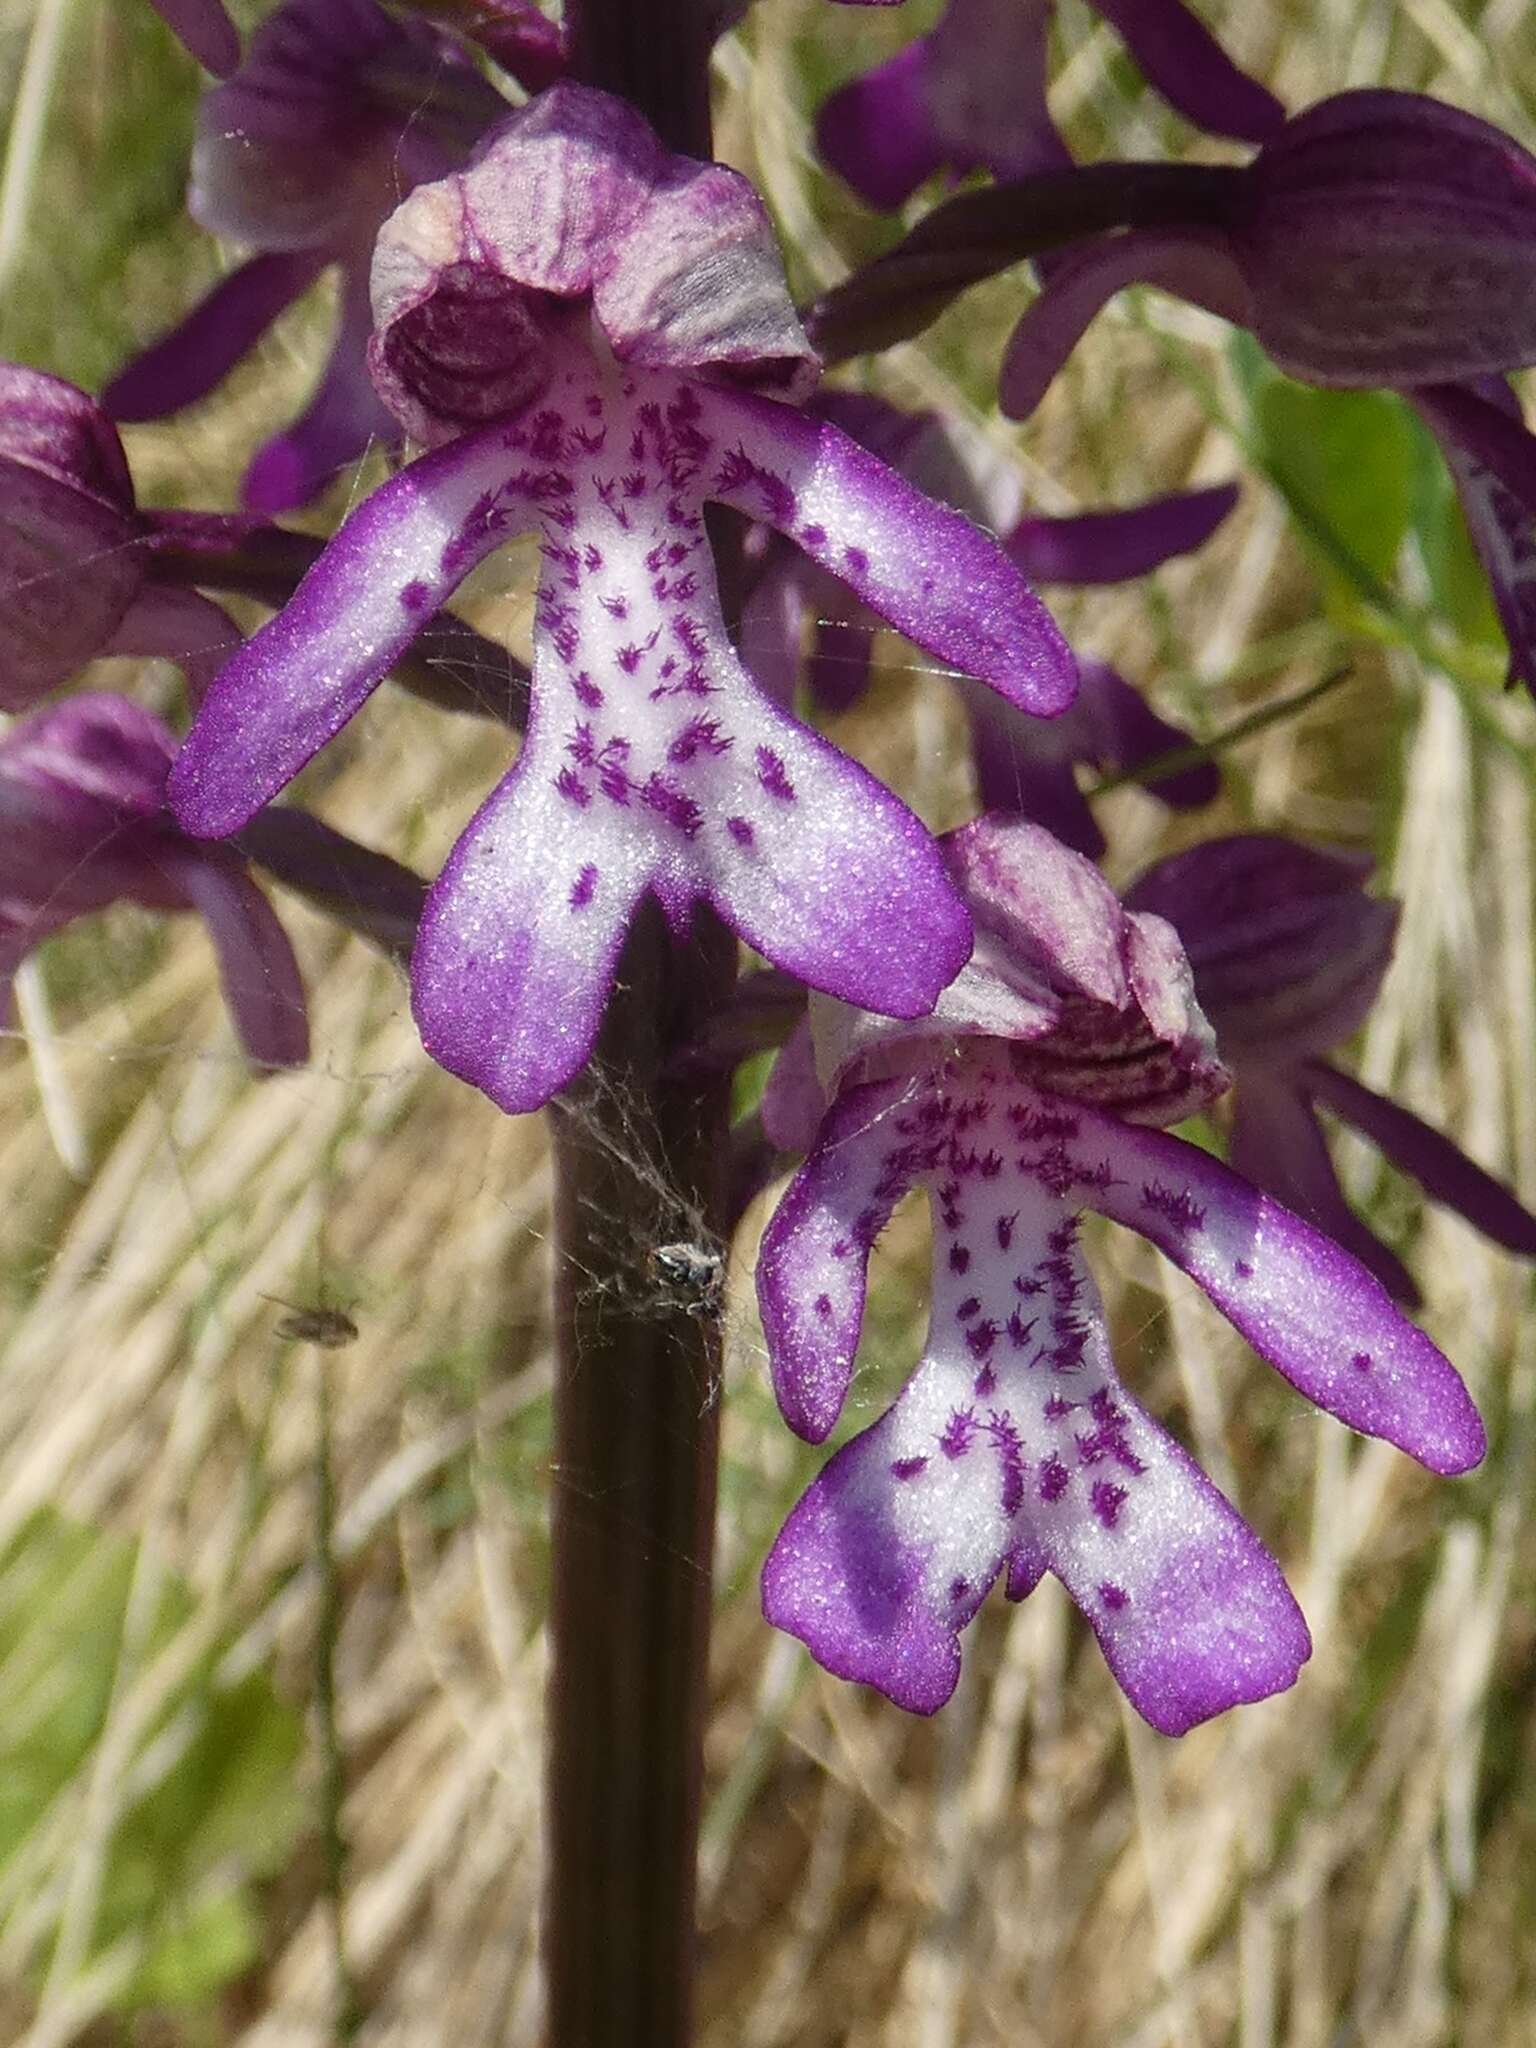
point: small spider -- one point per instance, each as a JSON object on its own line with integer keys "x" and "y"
{"x": 330, "y": 1328}
{"x": 694, "y": 1276}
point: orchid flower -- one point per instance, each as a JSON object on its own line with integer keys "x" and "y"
{"x": 971, "y": 94}
{"x": 1022, "y": 764}
{"x": 206, "y": 30}
{"x": 582, "y": 325}
{"x": 81, "y": 568}
{"x": 1288, "y": 952}
{"x": 1378, "y": 239}
{"x": 337, "y": 110}
{"x": 1031, "y": 1094}
{"x": 83, "y": 824}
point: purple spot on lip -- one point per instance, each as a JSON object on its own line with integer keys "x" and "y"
{"x": 570, "y": 785}
{"x": 584, "y": 887}
{"x": 1107, "y": 1500}
{"x": 773, "y": 775}
{"x": 958, "y": 1431}
{"x": 814, "y": 536}
{"x": 1114, "y": 1597}
{"x": 823, "y": 1304}
{"x": 1361, "y": 1361}
{"x": 740, "y": 830}
{"x": 908, "y": 1468}
{"x": 416, "y": 597}
{"x": 856, "y": 559}
{"x": 968, "y": 1307}
{"x": 1243, "y": 1269}
{"x": 1054, "y": 1479}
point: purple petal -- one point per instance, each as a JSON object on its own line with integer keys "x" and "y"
{"x": 519, "y": 940}
{"x": 938, "y": 579}
{"x": 1023, "y": 769}
{"x": 338, "y": 108}
{"x": 1194, "y": 265}
{"x": 1492, "y": 458}
{"x": 53, "y": 427}
{"x": 814, "y": 1263}
{"x": 199, "y": 353}
{"x": 877, "y": 131}
{"x": 522, "y": 40}
{"x": 262, "y": 984}
{"x": 772, "y": 620}
{"x": 1184, "y": 62}
{"x": 168, "y": 624}
{"x": 366, "y": 891}
{"x": 342, "y": 420}
{"x": 1093, "y": 1004}
{"x": 1442, "y": 1169}
{"x": 1287, "y": 949}
{"x": 876, "y": 1576}
{"x": 1127, "y": 734}
{"x": 1304, "y": 1304}
{"x": 1391, "y": 240}
{"x": 1276, "y": 1143}
{"x": 836, "y": 882}
{"x": 390, "y": 568}
{"x": 1112, "y": 547}
{"x": 69, "y": 570}
{"x": 838, "y": 674}
{"x": 1015, "y": 1444}
{"x": 794, "y": 1100}
{"x": 206, "y": 30}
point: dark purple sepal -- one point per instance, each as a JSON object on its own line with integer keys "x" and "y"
{"x": 201, "y": 350}
{"x": 83, "y": 824}
{"x": 1426, "y": 1155}
{"x": 1288, "y": 950}
{"x": 205, "y": 29}
{"x": 1183, "y": 62}
{"x": 1112, "y": 547}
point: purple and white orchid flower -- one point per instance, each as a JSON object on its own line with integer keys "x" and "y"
{"x": 206, "y": 30}
{"x": 83, "y": 824}
{"x": 338, "y": 110}
{"x": 1288, "y": 952}
{"x": 971, "y": 94}
{"x": 582, "y": 324}
{"x": 82, "y": 571}
{"x": 1022, "y": 764}
{"x": 1382, "y": 239}
{"x": 1031, "y": 1095}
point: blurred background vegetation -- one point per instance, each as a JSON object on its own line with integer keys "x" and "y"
{"x": 208, "y": 1528}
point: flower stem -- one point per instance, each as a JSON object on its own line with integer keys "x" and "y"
{"x": 640, "y": 1153}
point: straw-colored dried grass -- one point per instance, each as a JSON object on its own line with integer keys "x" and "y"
{"x": 1351, "y": 1863}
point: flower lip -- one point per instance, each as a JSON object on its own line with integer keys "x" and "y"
{"x": 573, "y": 198}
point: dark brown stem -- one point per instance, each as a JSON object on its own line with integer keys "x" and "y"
{"x": 641, "y": 1155}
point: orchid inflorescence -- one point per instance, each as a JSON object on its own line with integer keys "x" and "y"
{"x": 557, "y": 326}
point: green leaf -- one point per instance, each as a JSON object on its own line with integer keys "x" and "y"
{"x": 217, "y": 1804}
{"x": 1348, "y": 462}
